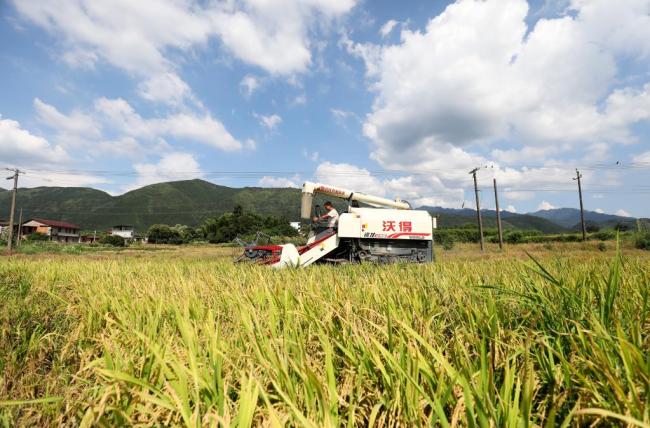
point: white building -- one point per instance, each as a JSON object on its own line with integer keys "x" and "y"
{"x": 126, "y": 232}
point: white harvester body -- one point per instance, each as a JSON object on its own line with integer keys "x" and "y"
{"x": 383, "y": 235}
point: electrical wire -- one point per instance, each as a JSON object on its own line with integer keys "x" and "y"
{"x": 363, "y": 172}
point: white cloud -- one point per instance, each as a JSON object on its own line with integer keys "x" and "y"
{"x": 275, "y": 35}
{"x": 299, "y": 100}
{"x": 19, "y": 147}
{"x": 126, "y": 147}
{"x": 80, "y": 58}
{"x": 511, "y": 209}
{"x": 477, "y": 75}
{"x": 426, "y": 189}
{"x": 36, "y": 155}
{"x": 387, "y": 28}
{"x": 250, "y": 144}
{"x": 204, "y": 129}
{"x": 37, "y": 177}
{"x": 642, "y": 157}
{"x": 599, "y": 211}
{"x": 269, "y": 122}
{"x": 171, "y": 167}
{"x": 525, "y": 154}
{"x": 138, "y": 36}
{"x": 340, "y": 114}
{"x": 312, "y": 156}
{"x": 523, "y": 183}
{"x": 165, "y": 87}
{"x": 268, "y": 181}
{"x": 623, "y": 213}
{"x": 73, "y": 124}
{"x": 418, "y": 190}
{"x": 133, "y": 36}
{"x": 129, "y": 35}
{"x": 545, "y": 206}
{"x": 249, "y": 84}
{"x": 118, "y": 117}
{"x": 350, "y": 177}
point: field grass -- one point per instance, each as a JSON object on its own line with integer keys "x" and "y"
{"x": 183, "y": 337}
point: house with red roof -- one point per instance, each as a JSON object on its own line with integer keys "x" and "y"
{"x": 59, "y": 231}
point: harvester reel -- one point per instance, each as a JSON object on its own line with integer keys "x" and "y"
{"x": 251, "y": 254}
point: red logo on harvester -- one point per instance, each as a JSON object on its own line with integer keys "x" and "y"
{"x": 389, "y": 225}
{"x": 405, "y": 226}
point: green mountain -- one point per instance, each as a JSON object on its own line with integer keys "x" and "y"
{"x": 191, "y": 202}
{"x": 450, "y": 218}
{"x": 180, "y": 202}
{"x": 570, "y": 218}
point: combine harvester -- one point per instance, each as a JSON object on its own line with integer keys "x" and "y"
{"x": 388, "y": 231}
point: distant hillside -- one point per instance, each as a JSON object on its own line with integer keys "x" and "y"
{"x": 191, "y": 202}
{"x": 180, "y": 202}
{"x": 570, "y": 218}
{"x": 450, "y": 217}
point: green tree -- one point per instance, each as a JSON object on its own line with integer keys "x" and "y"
{"x": 228, "y": 226}
{"x": 113, "y": 241}
{"x": 161, "y": 234}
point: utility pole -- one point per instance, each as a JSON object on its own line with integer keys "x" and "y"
{"x": 20, "y": 228}
{"x": 496, "y": 201}
{"x": 582, "y": 210}
{"x": 13, "y": 207}
{"x": 478, "y": 209}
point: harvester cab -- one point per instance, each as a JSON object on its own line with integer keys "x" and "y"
{"x": 382, "y": 231}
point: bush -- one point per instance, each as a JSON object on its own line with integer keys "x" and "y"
{"x": 602, "y": 246}
{"x": 605, "y": 235}
{"x": 446, "y": 242}
{"x": 515, "y": 237}
{"x": 622, "y": 227}
{"x": 465, "y": 235}
{"x": 571, "y": 238}
{"x": 642, "y": 241}
{"x": 37, "y": 237}
{"x": 112, "y": 240}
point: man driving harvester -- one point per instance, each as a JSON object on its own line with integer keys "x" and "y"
{"x": 332, "y": 216}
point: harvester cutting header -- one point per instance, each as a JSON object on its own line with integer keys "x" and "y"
{"x": 383, "y": 231}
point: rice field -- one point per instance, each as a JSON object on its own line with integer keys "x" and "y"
{"x": 184, "y": 337}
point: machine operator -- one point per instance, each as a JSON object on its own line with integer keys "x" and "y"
{"x": 332, "y": 216}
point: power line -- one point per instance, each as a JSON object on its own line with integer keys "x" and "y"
{"x": 526, "y": 168}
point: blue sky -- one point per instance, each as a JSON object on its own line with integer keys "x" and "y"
{"x": 390, "y": 98}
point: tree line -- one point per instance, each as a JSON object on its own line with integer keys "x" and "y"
{"x": 220, "y": 229}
